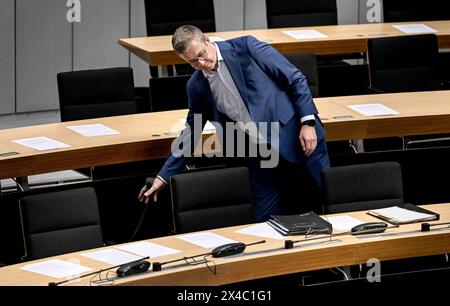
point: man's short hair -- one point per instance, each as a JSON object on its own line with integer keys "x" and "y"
{"x": 184, "y": 35}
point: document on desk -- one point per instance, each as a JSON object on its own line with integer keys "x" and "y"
{"x": 56, "y": 268}
{"x": 41, "y": 143}
{"x": 206, "y": 240}
{"x": 261, "y": 230}
{"x": 150, "y": 249}
{"x": 93, "y": 130}
{"x": 373, "y": 109}
{"x": 343, "y": 223}
{"x": 305, "y": 34}
{"x": 418, "y": 28}
{"x": 112, "y": 256}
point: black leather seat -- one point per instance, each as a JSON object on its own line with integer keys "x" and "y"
{"x": 307, "y": 64}
{"x": 288, "y": 13}
{"x": 415, "y": 10}
{"x": 60, "y": 222}
{"x": 211, "y": 199}
{"x": 163, "y": 17}
{"x": 403, "y": 64}
{"x": 96, "y": 93}
{"x": 362, "y": 187}
{"x": 168, "y": 93}
{"x": 371, "y": 186}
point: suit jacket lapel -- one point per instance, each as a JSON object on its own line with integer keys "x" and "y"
{"x": 234, "y": 66}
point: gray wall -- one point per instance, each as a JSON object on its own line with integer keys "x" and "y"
{"x": 7, "y": 58}
{"x": 38, "y": 42}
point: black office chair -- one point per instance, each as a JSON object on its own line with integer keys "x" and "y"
{"x": 371, "y": 186}
{"x": 307, "y": 64}
{"x": 168, "y": 93}
{"x": 96, "y": 93}
{"x": 418, "y": 10}
{"x": 362, "y": 187}
{"x": 288, "y": 13}
{"x": 415, "y": 10}
{"x": 211, "y": 199}
{"x": 60, "y": 222}
{"x": 406, "y": 63}
{"x": 163, "y": 17}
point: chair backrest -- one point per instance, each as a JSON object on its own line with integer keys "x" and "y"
{"x": 404, "y": 63}
{"x": 362, "y": 187}
{"x": 96, "y": 93}
{"x": 163, "y": 17}
{"x": 289, "y": 13}
{"x": 211, "y": 199}
{"x": 307, "y": 64}
{"x": 60, "y": 222}
{"x": 415, "y": 10}
{"x": 168, "y": 93}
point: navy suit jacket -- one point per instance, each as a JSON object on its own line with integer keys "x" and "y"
{"x": 272, "y": 89}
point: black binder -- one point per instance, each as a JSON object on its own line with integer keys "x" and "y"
{"x": 309, "y": 223}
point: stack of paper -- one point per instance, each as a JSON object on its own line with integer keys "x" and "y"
{"x": 399, "y": 215}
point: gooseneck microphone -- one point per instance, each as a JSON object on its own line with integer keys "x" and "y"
{"x": 361, "y": 229}
{"x": 142, "y": 260}
{"x": 220, "y": 251}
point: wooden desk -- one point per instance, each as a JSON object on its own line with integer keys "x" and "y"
{"x": 268, "y": 259}
{"x": 421, "y": 113}
{"x": 342, "y": 39}
{"x": 148, "y": 136}
{"x": 142, "y": 137}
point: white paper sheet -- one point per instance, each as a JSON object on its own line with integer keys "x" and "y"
{"x": 148, "y": 249}
{"x": 373, "y": 109}
{"x": 343, "y": 223}
{"x": 206, "y": 240}
{"x": 305, "y": 34}
{"x": 93, "y": 130}
{"x": 56, "y": 268}
{"x": 41, "y": 143}
{"x": 112, "y": 256}
{"x": 414, "y": 28}
{"x": 261, "y": 230}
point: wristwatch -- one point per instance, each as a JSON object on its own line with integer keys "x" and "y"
{"x": 309, "y": 122}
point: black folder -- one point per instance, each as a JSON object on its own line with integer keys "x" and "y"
{"x": 309, "y": 223}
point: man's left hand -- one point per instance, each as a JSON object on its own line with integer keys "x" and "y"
{"x": 308, "y": 139}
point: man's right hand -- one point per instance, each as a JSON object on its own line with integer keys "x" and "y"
{"x": 145, "y": 193}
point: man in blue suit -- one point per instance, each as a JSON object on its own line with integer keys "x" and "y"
{"x": 246, "y": 81}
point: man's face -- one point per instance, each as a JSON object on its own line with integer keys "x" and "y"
{"x": 201, "y": 55}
